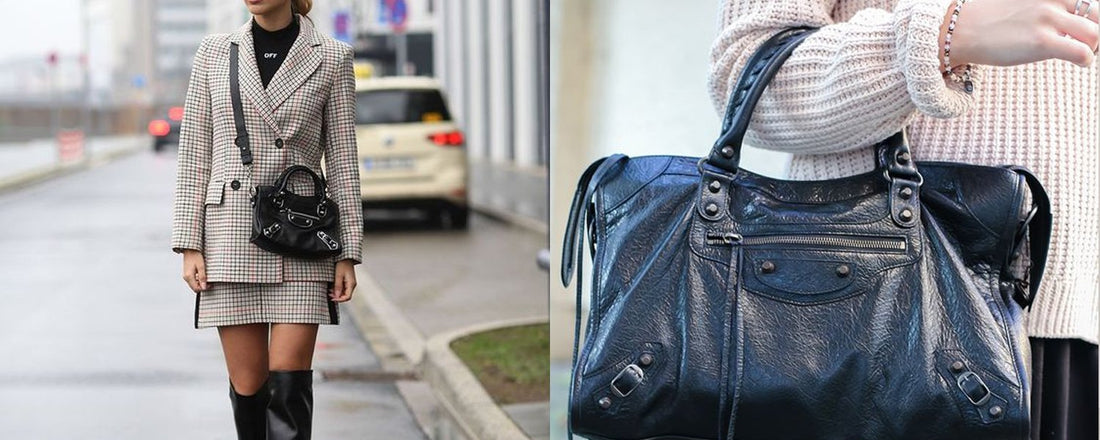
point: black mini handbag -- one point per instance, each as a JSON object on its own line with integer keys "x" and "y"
{"x": 283, "y": 222}
{"x": 730, "y": 305}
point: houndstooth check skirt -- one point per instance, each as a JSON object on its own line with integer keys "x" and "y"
{"x": 299, "y": 302}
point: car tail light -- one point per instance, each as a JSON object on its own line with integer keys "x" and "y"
{"x": 175, "y": 113}
{"x": 448, "y": 139}
{"x": 159, "y": 127}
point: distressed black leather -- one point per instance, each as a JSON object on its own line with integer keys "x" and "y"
{"x": 729, "y": 305}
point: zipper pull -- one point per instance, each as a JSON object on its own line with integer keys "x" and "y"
{"x": 725, "y": 238}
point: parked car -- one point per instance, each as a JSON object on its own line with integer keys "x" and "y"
{"x": 411, "y": 152}
{"x": 166, "y": 130}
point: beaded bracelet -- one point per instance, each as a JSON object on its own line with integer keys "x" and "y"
{"x": 965, "y": 78}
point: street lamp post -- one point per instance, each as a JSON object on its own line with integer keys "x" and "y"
{"x": 55, "y": 104}
{"x": 85, "y": 65}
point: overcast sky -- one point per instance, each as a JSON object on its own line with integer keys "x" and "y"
{"x": 36, "y": 27}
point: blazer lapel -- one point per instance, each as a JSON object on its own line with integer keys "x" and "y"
{"x": 249, "y": 76}
{"x": 301, "y": 61}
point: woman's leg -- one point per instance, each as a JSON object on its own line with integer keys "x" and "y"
{"x": 290, "y": 414}
{"x": 292, "y": 346}
{"x": 245, "y": 348}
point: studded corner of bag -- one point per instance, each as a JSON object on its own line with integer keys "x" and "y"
{"x": 730, "y": 305}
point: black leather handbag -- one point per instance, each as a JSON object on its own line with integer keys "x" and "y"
{"x": 730, "y": 305}
{"x": 295, "y": 225}
{"x": 283, "y": 222}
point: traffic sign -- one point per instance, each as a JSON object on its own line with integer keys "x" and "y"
{"x": 340, "y": 26}
{"x": 396, "y": 13}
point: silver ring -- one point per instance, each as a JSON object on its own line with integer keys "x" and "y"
{"x": 1077, "y": 7}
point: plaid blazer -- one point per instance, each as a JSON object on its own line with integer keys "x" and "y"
{"x": 307, "y": 112}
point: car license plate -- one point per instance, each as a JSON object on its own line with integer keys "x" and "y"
{"x": 389, "y": 163}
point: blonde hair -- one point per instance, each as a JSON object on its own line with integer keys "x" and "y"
{"x": 301, "y": 6}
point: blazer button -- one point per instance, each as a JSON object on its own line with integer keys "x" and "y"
{"x": 236, "y": 184}
{"x": 278, "y": 143}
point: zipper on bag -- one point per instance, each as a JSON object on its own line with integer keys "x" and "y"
{"x": 810, "y": 240}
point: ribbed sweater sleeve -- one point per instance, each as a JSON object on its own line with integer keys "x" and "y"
{"x": 849, "y": 85}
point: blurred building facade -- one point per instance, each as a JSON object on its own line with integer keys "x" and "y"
{"x": 488, "y": 56}
{"x": 179, "y": 26}
{"x": 103, "y": 86}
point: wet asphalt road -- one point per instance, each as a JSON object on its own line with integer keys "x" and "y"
{"x": 96, "y": 329}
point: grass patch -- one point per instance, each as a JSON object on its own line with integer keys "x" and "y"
{"x": 512, "y": 363}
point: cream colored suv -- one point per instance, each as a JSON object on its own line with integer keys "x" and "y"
{"x": 411, "y": 153}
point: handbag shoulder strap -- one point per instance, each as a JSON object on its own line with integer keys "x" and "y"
{"x": 1037, "y": 225}
{"x": 572, "y": 254}
{"x": 755, "y": 76}
{"x": 238, "y": 109}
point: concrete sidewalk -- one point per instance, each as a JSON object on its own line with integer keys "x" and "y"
{"x": 23, "y": 163}
{"x": 419, "y": 288}
{"x": 516, "y": 195}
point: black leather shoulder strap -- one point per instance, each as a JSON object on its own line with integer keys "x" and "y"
{"x": 574, "y": 228}
{"x": 1038, "y": 226}
{"x": 238, "y": 109}
{"x": 572, "y": 254}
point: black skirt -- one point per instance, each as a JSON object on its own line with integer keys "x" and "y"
{"x": 1064, "y": 402}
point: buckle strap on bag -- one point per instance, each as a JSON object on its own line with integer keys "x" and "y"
{"x": 1038, "y": 225}
{"x": 572, "y": 247}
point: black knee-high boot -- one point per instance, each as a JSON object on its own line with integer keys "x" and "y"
{"x": 290, "y": 413}
{"x": 250, "y": 412}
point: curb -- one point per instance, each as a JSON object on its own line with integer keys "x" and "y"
{"x": 57, "y": 169}
{"x": 459, "y": 390}
{"x": 396, "y": 341}
{"x": 402, "y": 349}
{"x": 35, "y": 175}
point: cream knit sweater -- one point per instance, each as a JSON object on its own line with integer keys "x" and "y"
{"x": 873, "y": 67}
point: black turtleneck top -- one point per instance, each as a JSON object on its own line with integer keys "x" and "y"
{"x": 271, "y": 47}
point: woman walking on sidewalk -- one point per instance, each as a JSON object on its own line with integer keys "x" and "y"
{"x": 986, "y": 82}
{"x": 297, "y": 95}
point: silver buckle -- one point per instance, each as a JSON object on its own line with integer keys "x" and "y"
{"x": 635, "y": 372}
{"x": 970, "y": 375}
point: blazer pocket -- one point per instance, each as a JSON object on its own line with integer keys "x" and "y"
{"x": 214, "y": 191}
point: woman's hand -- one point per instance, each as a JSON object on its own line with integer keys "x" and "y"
{"x": 194, "y": 269}
{"x": 345, "y": 281}
{"x": 1011, "y": 32}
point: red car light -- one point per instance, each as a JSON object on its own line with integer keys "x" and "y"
{"x": 448, "y": 139}
{"x": 175, "y": 113}
{"x": 159, "y": 127}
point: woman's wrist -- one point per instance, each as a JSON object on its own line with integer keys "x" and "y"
{"x": 947, "y": 30}
{"x": 954, "y": 54}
